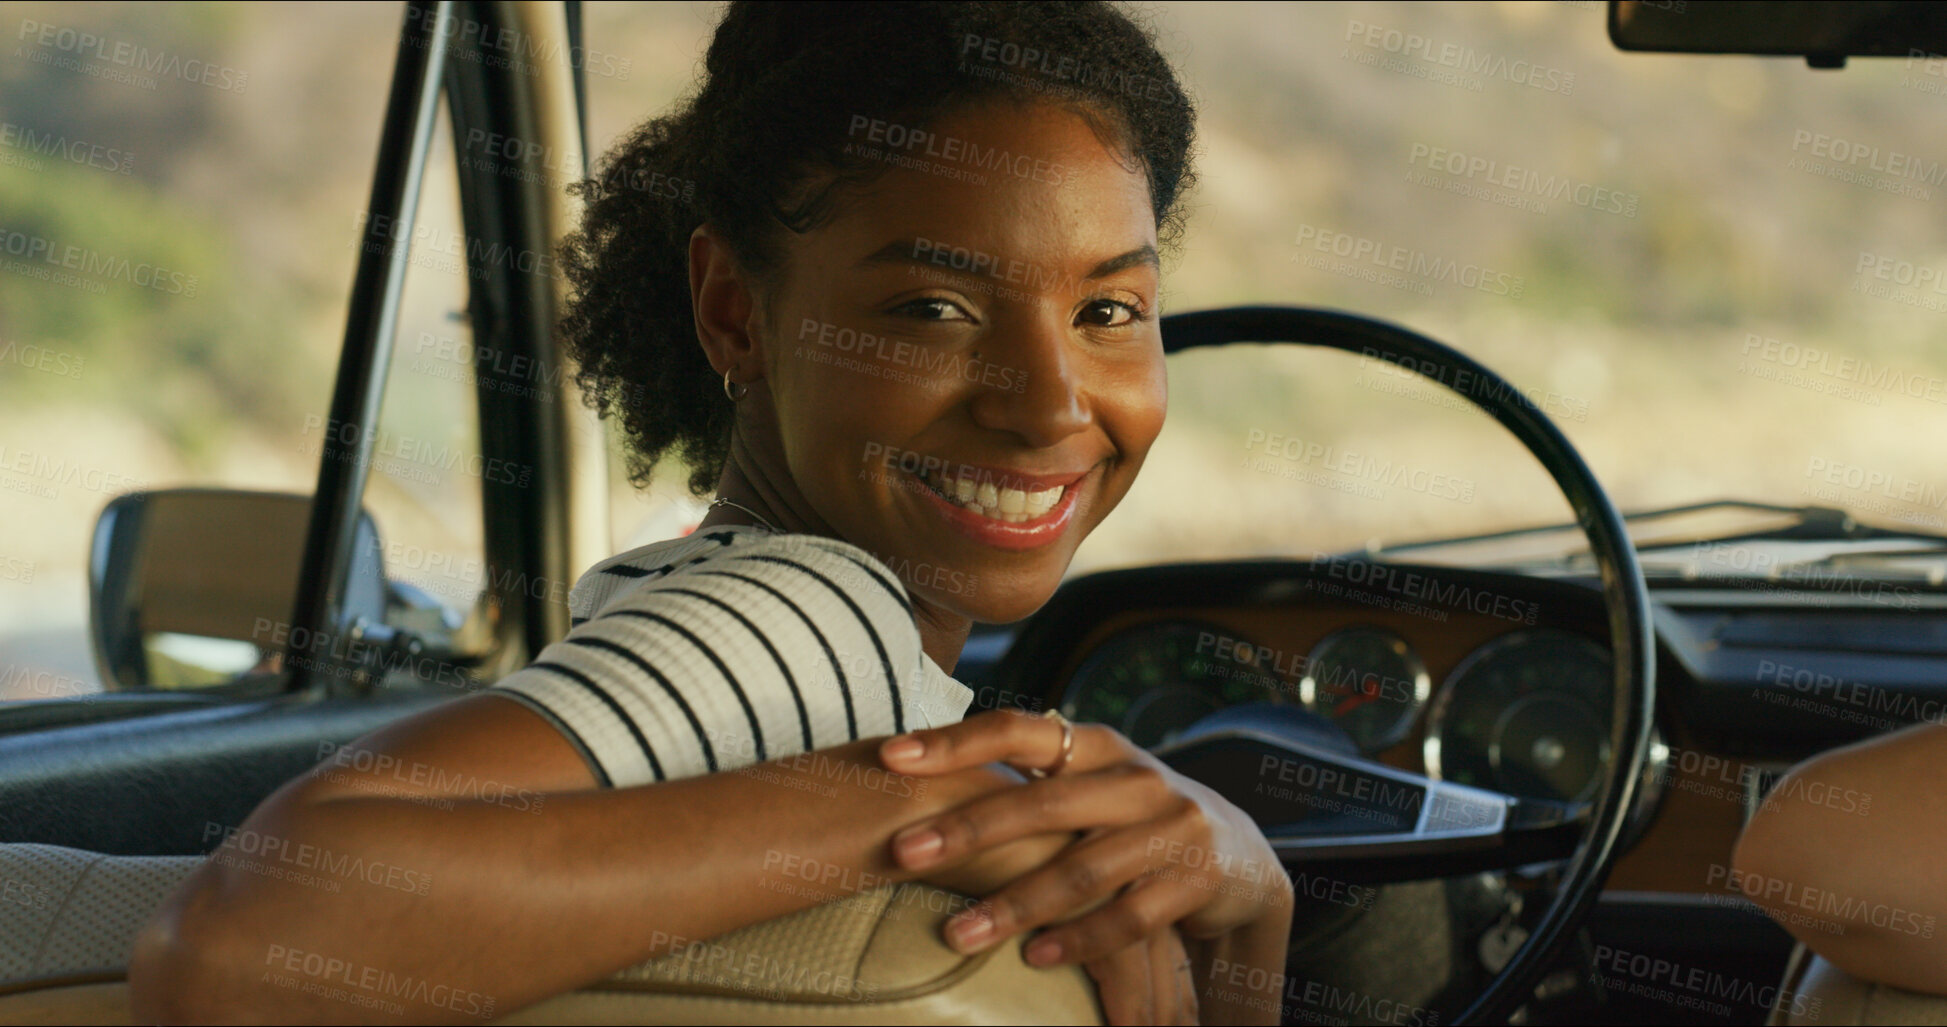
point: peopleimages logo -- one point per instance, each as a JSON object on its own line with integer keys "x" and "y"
{"x": 1042, "y": 69}
{"x": 1819, "y": 687}
{"x": 245, "y": 842}
{"x": 1932, "y": 68}
{"x": 125, "y": 58}
{"x": 1768, "y": 571}
{"x": 92, "y": 263}
{"x": 62, "y": 472}
{"x": 1312, "y": 1001}
{"x": 365, "y": 986}
{"x": 1831, "y": 906}
{"x": 1423, "y": 588}
{"x": 465, "y": 254}
{"x": 925, "y": 143}
{"x": 40, "y": 358}
{"x": 1836, "y": 374}
{"x": 1900, "y": 272}
{"x": 1879, "y": 482}
{"x": 929, "y": 367}
{"x": 1524, "y": 182}
{"x": 74, "y": 151}
{"x": 1891, "y": 163}
{"x": 1359, "y": 465}
{"x": 1455, "y": 58}
{"x": 1359, "y": 251}
{"x": 473, "y": 40}
{"x": 1470, "y": 383}
{"x": 428, "y": 454}
{"x": 1615, "y": 968}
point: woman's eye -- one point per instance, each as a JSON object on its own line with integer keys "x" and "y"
{"x": 932, "y": 308}
{"x": 1109, "y": 313}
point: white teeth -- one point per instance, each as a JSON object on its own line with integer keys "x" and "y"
{"x": 1012, "y": 506}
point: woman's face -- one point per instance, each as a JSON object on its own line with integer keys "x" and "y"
{"x": 965, "y": 360}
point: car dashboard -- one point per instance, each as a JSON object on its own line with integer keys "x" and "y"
{"x": 1493, "y": 679}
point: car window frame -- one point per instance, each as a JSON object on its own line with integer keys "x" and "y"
{"x": 538, "y": 527}
{"x": 537, "y": 535}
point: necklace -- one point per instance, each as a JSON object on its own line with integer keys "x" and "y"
{"x": 725, "y": 501}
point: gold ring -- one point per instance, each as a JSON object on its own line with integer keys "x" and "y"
{"x": 1067, "y": 746}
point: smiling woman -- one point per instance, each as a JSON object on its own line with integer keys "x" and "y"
{"x": 927, "y": 467}
{"x": 888, "y": 283}
{"x": 928, "y": 245}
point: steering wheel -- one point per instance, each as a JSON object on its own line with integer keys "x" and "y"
{"x": 1423, "y": 828}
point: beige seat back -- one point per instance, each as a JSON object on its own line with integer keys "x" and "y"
{"x": 68, "y": 921}
{"x": 1814, "y": 992}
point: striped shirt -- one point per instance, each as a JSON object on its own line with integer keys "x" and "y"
{"x": 733, "y": 646}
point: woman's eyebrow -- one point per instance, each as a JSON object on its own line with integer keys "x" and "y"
{"x": 961, "y": 258}
{"x": 1144, "y": 254}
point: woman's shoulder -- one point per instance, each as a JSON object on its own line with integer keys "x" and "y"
{"x": 789, "y": 563}
{"x": 734, "y": 646}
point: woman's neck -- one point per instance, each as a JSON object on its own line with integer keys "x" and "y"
{"x": 777, "y": 505}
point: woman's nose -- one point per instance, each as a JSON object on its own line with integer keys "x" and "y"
{"x": 1046, "y": 400}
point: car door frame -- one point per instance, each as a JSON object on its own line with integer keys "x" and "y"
{"x": 161, "y": 773}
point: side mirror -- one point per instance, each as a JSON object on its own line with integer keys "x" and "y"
{"x": 190, "y": 588}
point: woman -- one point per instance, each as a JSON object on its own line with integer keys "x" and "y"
{"x": 903, "y": 318}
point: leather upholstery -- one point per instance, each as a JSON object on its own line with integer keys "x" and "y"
{"x": 68, "y": 919}
{"x": 65, "y": 913}
{"x": 156, "y": 784}
{"x": 1815, "y": 992}
{"x": 82, "y": 1005}
{"x": 875, "y": 958}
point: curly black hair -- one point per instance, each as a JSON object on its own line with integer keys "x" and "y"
{"x": 785, "y": 86}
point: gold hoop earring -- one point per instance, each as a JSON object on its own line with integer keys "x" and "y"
{"x": 733, "y": 390}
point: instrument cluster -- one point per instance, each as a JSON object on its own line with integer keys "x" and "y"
{"x": 1527, "y": 712}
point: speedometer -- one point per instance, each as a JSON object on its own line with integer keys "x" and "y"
{"x": 1527, "y": 714}
{"x": 1369, "y": 681}
{"x": 1151, "y": 682}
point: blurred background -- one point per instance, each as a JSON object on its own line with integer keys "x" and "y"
{"x": 1721, "y": 276}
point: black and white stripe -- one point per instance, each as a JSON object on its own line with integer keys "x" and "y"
{"x": 715, "y": 651}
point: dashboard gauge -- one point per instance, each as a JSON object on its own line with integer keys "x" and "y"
{"x": 1151, "y": 682}
{"x": 1528, "y": 714}
{"x": 1369, "y": 682}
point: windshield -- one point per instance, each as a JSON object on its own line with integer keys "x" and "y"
{"x": 1722, "y": 277}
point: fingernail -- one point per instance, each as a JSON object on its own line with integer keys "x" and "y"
{"x": 905, "y": 747}
{"x": 1043, "y": 952}
{"x": 971, "y": 932}
{"x": 918, "y": 846}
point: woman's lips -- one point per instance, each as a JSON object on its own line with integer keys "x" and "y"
{"x": 1004, "y": 509}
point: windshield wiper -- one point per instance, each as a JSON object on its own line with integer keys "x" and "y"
{"x": 1884, "y": 564}
{"x": 1536, "y": 546}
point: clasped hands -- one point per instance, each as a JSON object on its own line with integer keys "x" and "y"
{"x": 1114, "y": 857}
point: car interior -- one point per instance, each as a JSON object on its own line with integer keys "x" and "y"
{"x": 1505, "y": 769}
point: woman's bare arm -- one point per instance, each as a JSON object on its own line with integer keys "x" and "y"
{"x": 477, "y": 868}
{"x": 1845, "y": 853}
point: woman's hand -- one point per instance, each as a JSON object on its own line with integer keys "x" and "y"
{"x": 1158, "y": 848}
{"x": 1151, "y": 981}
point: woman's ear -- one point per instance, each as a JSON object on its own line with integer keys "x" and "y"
{"x": 724, "y": 302}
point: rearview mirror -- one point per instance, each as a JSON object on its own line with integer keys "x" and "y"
{"x": 1824, "y": 33}
{"x": 183, "y": 584}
